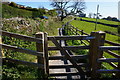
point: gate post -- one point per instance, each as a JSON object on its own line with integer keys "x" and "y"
{"x": 46, "y": 54}
{"x": 118, "y": 73}
{"x": 39, "y": 48}
{"x": 95, "y": 53}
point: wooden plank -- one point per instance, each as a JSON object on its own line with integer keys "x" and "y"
{"x": 63, "y": 74}
{"x": 112, "y": 43}
{"x": 8, "y": 60}
{"x": 112, "y": 53}
{"x": 71, "y": 37}
{"x": 23, "y": 37}
{"x": 69, "y": 48}
{"x": 108, "y": 60}
{"x": 72, "y": 56}
{"x": 109, "y": 47}
{"x": 27, "y": 51}
{"x": 81, "y": 72}
{"x": 66, "y": 66}
{"x": 108, "y": 71}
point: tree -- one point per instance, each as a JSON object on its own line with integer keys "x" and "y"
{"x": 97, "y": 15}
{"x": 94, "y": 15}
{"x": 13, "y": 4}
{"x": 52, "y": 12}
{"x": 90, "y": 15}
{"x": 66, "y": 7}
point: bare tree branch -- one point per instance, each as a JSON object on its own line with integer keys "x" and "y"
{"x": 66, "y": 8}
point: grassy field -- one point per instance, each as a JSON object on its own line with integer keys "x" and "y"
{"x": 102, "y": 21}
{"x": 89, "y": 27}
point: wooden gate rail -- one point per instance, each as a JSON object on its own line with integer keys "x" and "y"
{"x": 23, "y": 37}
{"x": 110, "y": 60}
{"x": 82, "y": 37}
{"x": 108, "y": 71}
{"x": 112, "y": 43}
{"x": 69, "y": 48}
{"x": 22, "y": 50}
{"x": 23, "y": 62}
{"x": 112, "y": 53}
{"x": 72, "y": 56}
{"x": 109, "y": 47}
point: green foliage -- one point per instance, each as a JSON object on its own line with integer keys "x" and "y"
{"x": 52, "y": 12}
{"x": 8, "y": 12}
{"x": 13, "y": 4}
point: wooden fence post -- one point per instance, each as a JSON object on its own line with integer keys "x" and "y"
{"x": 76, "y": 32}
{"x": 1, "y": 56}
{"x": 81, "y": 34}
{"x": 46, "y": 54}
{"x": 118, "y": 73}
{"x": 39, "y": 48}
{"x": 95, "y": 53}
{"x": 118, "y": 67}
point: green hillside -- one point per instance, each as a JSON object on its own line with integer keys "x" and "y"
{"x": 8, "y": 12}
{"x": 89, "y": 27}
{"x": 102, "y": 21}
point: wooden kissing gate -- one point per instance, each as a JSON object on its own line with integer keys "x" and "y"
{"x": 94, "y": 57}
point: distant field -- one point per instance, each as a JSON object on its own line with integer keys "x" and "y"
{"x": 102, "y": 21}
{"x": 89, "y": 27}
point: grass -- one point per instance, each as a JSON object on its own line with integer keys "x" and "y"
{"x": 8, "y": 12}
{"x": 89, "y": 27}
{"x": 102, "y": 21}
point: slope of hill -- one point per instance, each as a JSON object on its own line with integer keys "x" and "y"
{"x": 8, "y": 12}
{"x": 89, "y": 27}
